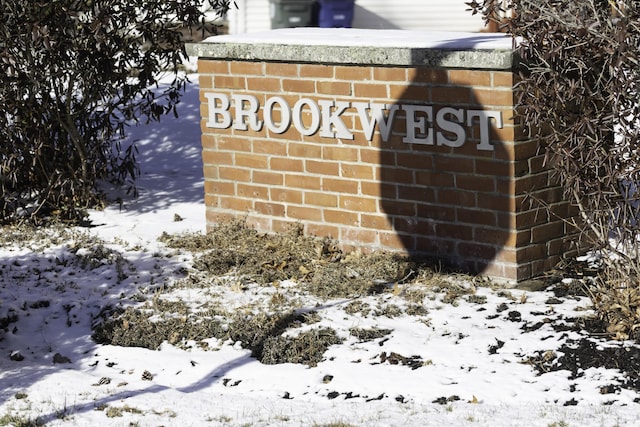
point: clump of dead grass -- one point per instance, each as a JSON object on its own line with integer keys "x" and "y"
{"x": 317, "y": 264}
{"x": 274, "y": 328}
{"x": 265, "y": 334}
{"x": 369, "y": 334}
{"x": 305, "y": 348}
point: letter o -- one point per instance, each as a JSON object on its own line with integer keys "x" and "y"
{"x": 315, "y": 116}
{"x": 285, "y": 111}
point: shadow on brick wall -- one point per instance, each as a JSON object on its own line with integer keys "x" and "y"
{"x": 445, "y": 189}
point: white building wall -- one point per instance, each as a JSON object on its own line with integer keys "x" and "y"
{"x": 437, "y": 15}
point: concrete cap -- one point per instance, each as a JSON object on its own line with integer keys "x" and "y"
{"x": 364, "y": 47}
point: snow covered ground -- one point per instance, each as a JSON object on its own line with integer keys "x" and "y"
{"x": 465, "y": 364}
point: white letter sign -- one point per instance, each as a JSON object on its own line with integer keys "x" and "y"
{"x": 450, "y": 128}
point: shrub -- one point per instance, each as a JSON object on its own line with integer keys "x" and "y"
{"x": 578, "y": 95}
{"x": 75, "y": 73}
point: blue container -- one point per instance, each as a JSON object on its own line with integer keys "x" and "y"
{"x": 335, "y": 13}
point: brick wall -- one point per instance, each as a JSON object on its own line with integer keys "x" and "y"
{"x": 465, "y": 203}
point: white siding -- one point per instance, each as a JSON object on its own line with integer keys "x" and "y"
{"x": 437, "y": 15}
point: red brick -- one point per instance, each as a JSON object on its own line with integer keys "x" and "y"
{"x": 503, "y": 79}
{"x": 233, "y": 143}
{"x": 436, "y": 212}
{"x": 321, "y": 199}
{"x": 281, "y": 69}
{"x": 254, "y": 161}
{"x": 527, "y": 149}
{"x": 399, "y": 208}
{"x": 387, "y": 74}
{"x": 370, "y": 90}
{"x": 236, "y": 204}
{"x": 267, "y": 177}
{"x": 530, "y": 183}
{"x": 252, "y": 191}
{"x": 428, "y": 75}
{"x": 373, "y": 188}
{"x": 394, "y": 174}
{"x": 476, "y": 250}
{"x": 412, "y": 160}
{"x": 209, "y": 142}
{"x": 475, "y": 216}
{"x": 352, "y": 73}
{"x": 211, "y": 171}
{"x": 415, "y": 93}
{"x": 234, "y": 174}
{"x": 246, "y": 67}
{"x": 358, "y": 235}
{"x": 265, "y": 84}
{"x": 290, "y": 134}
{"x": 286, "y": 164}
{"x": 269, "y": 147}
{"x": 451, "y": 95}
{"x": 358, "y": 204}
{"x": 332, "y": 216}
{"x": 210, "y": 200}
{"x": 342, "y": 153}
{"x": 454, "y": 231}
{"x": 491, "y": 236}
{"x": 492, "y": 167}
{"x": 217, "y": 157}
{"x": 304, "y": 150}
{"x": 205, "y": 82}
{"x": 493, "y": 98}
{"x": 456, "y": 197}
{"x": 479, "y": 183}
{"x": 266, "y": 208}
{"x": 333, "y": 88}
{"x": 470, "y": 77}
{"x": 230, "y": 82}
{"x": 298, "y": 86}
{"x": 320, "y": 167}
{"x": 433, "y": 179}
{"x": 304, "y": 213}
{"x": 546, "y": 232}
{"x": 449, "y": 164}
{"x": 316, "y": 71}
{"x": 506, "y": 134}
{"x": 497, "y": 202}
{"x": 355, "y": 171}
{"x": 287, "y": 195}
{"x": 219, "y": 188}
{"x": 213, "y": 67}
{"x": 415, "y": 193}
{"x": 392, "y": 240}
{"x": 302, "y": 181}
{"x": 375, "y": 222}
{"x": 338, "y": 185}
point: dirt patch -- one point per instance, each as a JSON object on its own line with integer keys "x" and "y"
{"x": 578, "y": 355}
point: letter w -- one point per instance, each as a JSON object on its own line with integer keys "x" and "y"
{"x": 378, "y": 116}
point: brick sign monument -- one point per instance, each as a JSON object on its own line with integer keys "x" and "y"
{"x": 380, "y": 139}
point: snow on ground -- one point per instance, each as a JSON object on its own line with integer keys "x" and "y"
{"x": 460, "y": 364}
